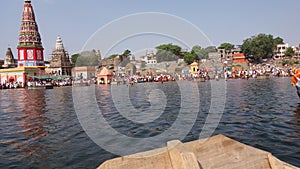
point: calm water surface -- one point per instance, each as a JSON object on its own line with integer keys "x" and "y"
{"x": 40, "y": 129}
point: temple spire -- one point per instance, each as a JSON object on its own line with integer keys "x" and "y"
{"x": 60, "y": 61}
{"x": 59, "y": 44}
{"x": 9, "y": 60}
{"x": 30, "y": 49}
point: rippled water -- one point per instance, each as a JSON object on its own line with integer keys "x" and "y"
{"x": 40, "y": 129}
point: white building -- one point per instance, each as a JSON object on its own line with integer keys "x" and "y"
{"x": 149, "y": 59}
{"x": 280, "y": 50}
{"x": 296, "y": 50}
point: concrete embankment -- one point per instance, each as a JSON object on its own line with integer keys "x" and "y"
{"x": 217, "y": 152}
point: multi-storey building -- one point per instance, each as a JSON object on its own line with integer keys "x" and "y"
{"x": 280, "y": 50}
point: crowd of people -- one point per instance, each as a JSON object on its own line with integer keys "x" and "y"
{"x": 258, "y": 71}
{"x": 49, "y": 82}
{"x": 35, "y": 83}
{"x": 11, "y": 85}
{"x": 254, "y": 71}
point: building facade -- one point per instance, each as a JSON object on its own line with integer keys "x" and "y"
{"x": 280, "y": 50}
{"x": 149, "y": 59}
{"x": 296, "y": 50}
{"x": 60, "y": 63}
{"x": 84, "y": 72}
{"x": 233, "y": 55}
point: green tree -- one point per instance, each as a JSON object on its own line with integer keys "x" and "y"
{"x": 226, "y": 46}
{"x": 202, "y": 53}
{"x": 198, "y": 52}
{"x": 289, "y": 51}
{"x": 260, "y": 46}
{"x": 170, "y": 47}
{"x": 87, "y": 58}
{"x": 189, "y": 57}
{"x": 209, "y": 49}
{"x": 277, "y": 41}
{"x": 126, "y": 53}
{"x": 163, "y": 55}
{"x": 74, "y": 58}
{"x": 167, "y": 52}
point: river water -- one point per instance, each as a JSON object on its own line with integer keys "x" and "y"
{"x": 40, "y": 128}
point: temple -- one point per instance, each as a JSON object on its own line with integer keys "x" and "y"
{"x": 30, "y": 49}
{"x": 60, "y": 63}
{"x": 30, "y": 62}
{"x": 9, "y": 60}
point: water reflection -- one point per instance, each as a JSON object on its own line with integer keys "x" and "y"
{"x": 104, "y": 98}
{"x": 265, "y": 115}
{"x": 39, "y": 128}
{"x": 33, "y": 107}
{"x": 141, "y": 101}
{"x": 296, "y": 114}
{"x": 294, "y": 124}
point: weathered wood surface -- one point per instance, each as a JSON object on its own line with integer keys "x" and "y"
{"x": 217, "y": 152}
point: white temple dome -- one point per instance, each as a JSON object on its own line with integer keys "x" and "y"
{"x": 59, "y": 45}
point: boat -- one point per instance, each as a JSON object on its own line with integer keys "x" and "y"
{"x": 216, "y": 152}
{"x": 48, "y": 86}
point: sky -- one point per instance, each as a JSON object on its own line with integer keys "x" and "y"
{"x": 77, "y": 22}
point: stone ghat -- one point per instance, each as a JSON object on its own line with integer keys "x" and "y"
{"x": 217, "y": 152}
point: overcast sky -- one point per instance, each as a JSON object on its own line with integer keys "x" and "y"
{"x": 221, "y": 21}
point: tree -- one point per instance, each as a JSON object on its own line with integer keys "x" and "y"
{"x": 260, "y": 46}
{"x": 170, "y": 47}
{"x": 126, "y": 53}
{"x": 277, "y": 41}
{"x": 74, "y": 58}
{"x": 198, "y": 52}
{"x": 167, "y": 52}
{"x": 289, "y": 51}
{"x": 226, "y": 46}
{"x": 202, "y": 53}
{"x": 209, "y": 49}
{"x": 189, "y": 57}
{"x": 87, "y": 58}
{"x": 163, "y": 55}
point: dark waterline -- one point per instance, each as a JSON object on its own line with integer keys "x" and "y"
{"x": 40, "y": 129}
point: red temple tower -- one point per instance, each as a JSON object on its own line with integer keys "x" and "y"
{"x": 30, "y": 49}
